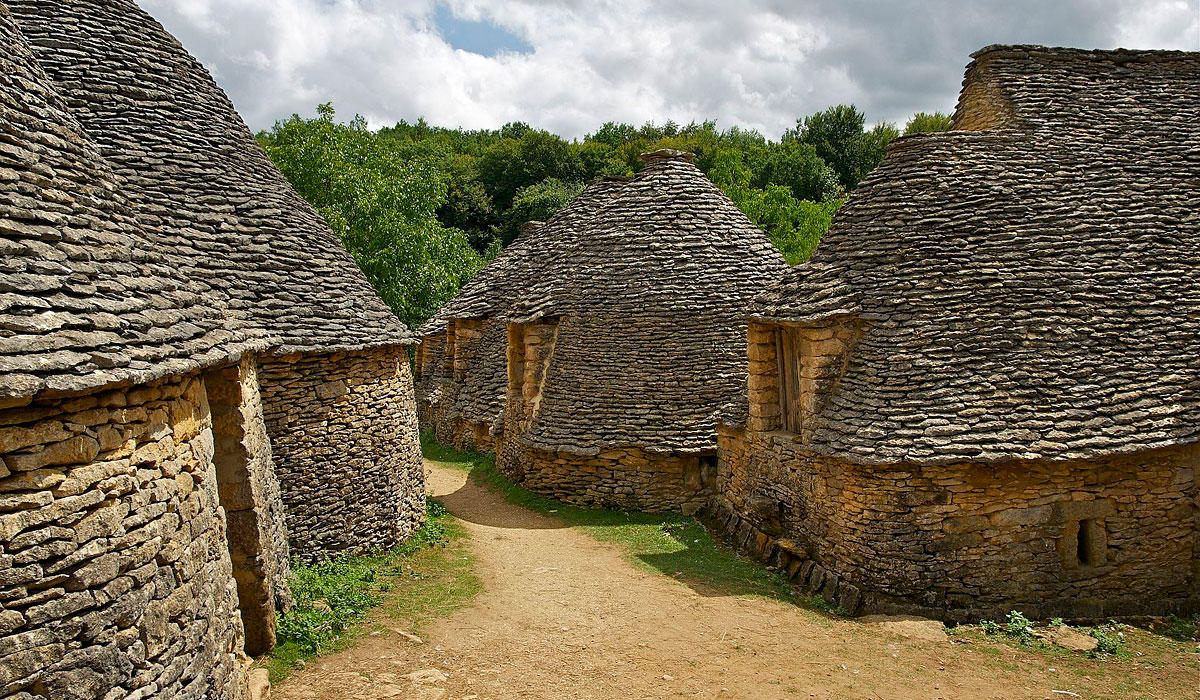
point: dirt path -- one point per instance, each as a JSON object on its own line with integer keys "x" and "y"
{"x": 564, "y": 616}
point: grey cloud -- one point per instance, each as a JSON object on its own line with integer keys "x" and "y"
{"x": 756, "y": 63}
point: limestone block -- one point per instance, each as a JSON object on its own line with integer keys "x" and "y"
{"x": 1012, "y": 517}
{"x": 19, "y": 437}
{"x": 76, "y": 450}
{"x": 332, "y": 390}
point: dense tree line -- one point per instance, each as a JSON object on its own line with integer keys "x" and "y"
{"x": 421, "y": 207}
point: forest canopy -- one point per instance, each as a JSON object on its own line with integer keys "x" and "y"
{"x": 421, "y": 207}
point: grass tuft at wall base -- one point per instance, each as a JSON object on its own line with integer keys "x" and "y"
{"x": 428, "y": 576}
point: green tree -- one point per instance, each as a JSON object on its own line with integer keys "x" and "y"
{"x": 873, "y": 146}
{"x": 797, "y": 166}
{"x": 839, "y": 138}
{"x": 381, "y": 205}
{"x": 613, "y": 134}
{"x": 927, "y": 122}
{"x": 599, "y": 159}
{"x": 536, "y": 203}
{"x": 514, "y": 130}
{"x": 794, "y": 225}
{"x": 510, "y": 164}
{"x": 468, "y": 208}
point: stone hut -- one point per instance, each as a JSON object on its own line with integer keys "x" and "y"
{"x": 336, "y": 385}
{"x": 462, "y": 365}
{"x": 630, "y": 342}
{"x": 177, "y": 327}
{"x": 981, "y": 392}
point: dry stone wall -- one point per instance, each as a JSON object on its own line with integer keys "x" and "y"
{"x": 429, "y": 378}
{"x": 449, "y": 383}
{"x": 115, "y": 576}
{"x": 622, "y": 478}
{"x": 344, "y": 438}
{"x": 962, "y": 540}
{"x": 1113, "y": 536}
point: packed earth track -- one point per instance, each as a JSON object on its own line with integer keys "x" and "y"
{"x": 565, "y": 616}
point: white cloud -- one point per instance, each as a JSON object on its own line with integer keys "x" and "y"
{"x": 1160, "y": 24}
{"x": 755, "y": 63}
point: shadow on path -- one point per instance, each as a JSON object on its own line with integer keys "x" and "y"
{"x": 474, "y": 503}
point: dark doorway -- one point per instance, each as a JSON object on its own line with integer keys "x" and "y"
{"x": 232, "y": 457}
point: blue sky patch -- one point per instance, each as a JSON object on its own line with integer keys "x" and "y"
{"x": 484, "y": 38}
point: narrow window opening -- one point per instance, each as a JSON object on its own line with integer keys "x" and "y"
{"x": 1083, "y": 543}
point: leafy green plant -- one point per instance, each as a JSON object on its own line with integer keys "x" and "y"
{"x": 329, "y": 596}
{"x": 1016, "y": 627}
{"x": 1019, "y": 627}
{"x": 333, "y": 594}
{"x": 1110, "y": 639}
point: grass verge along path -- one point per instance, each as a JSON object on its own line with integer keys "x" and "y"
{"x": 430, "y": 575}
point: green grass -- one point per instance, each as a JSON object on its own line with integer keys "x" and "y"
{"x": 668, "y": 543}
{"x": 428, "y": 576}
{"x": 1181, "y": 629}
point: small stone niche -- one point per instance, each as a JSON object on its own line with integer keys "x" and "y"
{"x": 1083, "y": 544}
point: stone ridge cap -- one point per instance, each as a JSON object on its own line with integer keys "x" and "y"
{"x": 1117, "y": 55}
{"x": 662, "y": 154}
{"x": 913, "y": 141}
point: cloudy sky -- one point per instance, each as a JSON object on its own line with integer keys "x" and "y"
{"x": 570, "y": 65}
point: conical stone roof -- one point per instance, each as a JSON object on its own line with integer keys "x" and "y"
{"x": 84, "y": 301}
{"x": 205, "y": 194}
{"x": 651, "y": 299}
{"x": 1029, "y": 285}
{"x": 480, "y": 395}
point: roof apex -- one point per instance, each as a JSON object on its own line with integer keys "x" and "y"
{"x": 666, "y": 154}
